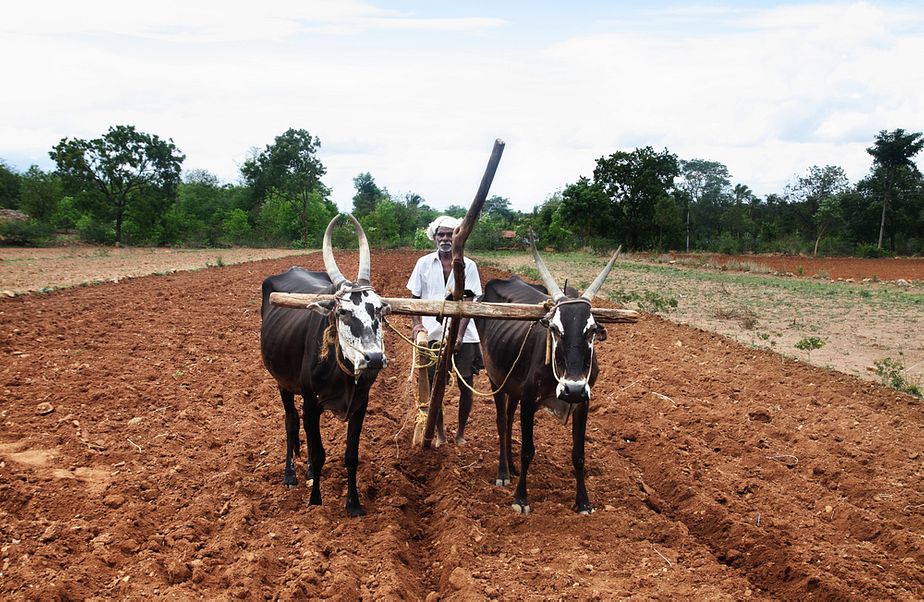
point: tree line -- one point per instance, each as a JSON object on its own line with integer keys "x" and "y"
{"x": 128, "y": 187}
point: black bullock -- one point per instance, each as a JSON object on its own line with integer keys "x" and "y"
{"x": 329, "y": 354}
{"x": 548, "y": 364}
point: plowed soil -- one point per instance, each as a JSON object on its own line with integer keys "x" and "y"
{"x": 888, "y": 269}
{"x": 142, "y": 449}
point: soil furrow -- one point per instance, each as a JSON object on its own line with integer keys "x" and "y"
{"x": 142, "y": 445}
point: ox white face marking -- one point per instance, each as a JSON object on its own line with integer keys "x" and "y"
{"x": 591, "y": 326}
{"x": 359, "y": 316}
{"x": 566, "y": 387}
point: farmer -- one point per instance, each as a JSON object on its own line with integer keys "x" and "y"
{"x": 432, "y": 278}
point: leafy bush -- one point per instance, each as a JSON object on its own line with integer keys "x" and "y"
{"x": 809, "y": 344}
{"x": 647, "y": 301}
{"x": 29, "y": 233}
{"x": 869, "y": 251}
{"x": 90, "y": 229}
{"x": 892, "y": 373}
{"x": 235, "y": 228}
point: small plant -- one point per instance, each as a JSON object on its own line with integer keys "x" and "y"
{"x": 800, "y": 271}
{"x": 530, "y": 272}
{"x": 892, "y": 373}
{"x": 809, "y": 344}
{"x": 763, "y": 336}
{"x": 219, "y": 262}
{"x": 648, "y": 301}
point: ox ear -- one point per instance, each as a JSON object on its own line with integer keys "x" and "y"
{"x": 322, "y": 307}
{"x": 601, "y": 333}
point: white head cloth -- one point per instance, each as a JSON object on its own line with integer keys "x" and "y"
{"x": 443, "y": 221}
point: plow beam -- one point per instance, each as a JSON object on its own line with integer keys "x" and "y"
{"x": 465, "y": 309}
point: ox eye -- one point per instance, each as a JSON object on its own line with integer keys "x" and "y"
{"x": 386, "y": 309}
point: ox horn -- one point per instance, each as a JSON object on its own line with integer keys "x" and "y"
{"x": 330, "y": 264}
{"x": 365, "y": 257}
{"x": 544, "y": 272}
{"x": 596, "y": 284}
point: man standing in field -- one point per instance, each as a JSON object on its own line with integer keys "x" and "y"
{"x": 432, "y": 278}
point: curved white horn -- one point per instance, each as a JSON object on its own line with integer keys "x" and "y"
{"x": 547, "y": 279}
{"x": 365, "y": 257}
{"x": 330, "y": 264}
{"x": 598, "y": 282}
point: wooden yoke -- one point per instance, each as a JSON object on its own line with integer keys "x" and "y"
{"x": 458, "y": 269}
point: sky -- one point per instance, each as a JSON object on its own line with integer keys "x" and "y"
{"x": 416, "y": 92}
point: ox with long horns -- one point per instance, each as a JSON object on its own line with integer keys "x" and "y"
{"x": 548, "y": 364}
{"x": 329, "y": 355}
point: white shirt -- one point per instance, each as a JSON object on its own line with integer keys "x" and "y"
{"x": 427, "y": 282}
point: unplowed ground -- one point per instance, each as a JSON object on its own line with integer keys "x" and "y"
{"x": 718, "y": 471}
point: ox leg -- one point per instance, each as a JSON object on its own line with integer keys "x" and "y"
{"x": 503, "y": 441}
{"x": 511, "y": 414}
{"x": 292, "y": 441}
{"x": 316, "y": 456}
{"x": 351, "y": 458}
{"x": 527, "y": 451}
{"x": 578, "y": 431}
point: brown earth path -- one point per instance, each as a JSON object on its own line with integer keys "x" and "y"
{"x": 718, "y": 471}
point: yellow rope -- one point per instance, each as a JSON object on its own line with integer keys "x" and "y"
{"x": 331, "y": 338}
{"x": 492, "y": 393}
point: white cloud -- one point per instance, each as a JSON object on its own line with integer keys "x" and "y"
{"x": 417, "y": 97}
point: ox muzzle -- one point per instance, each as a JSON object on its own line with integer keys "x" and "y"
{"x": 371, "y": 361}
{"x": 573, "y": 391}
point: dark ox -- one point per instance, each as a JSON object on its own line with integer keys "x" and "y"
{"x": 549, "y": 364}
{"x": 329, "y": 355}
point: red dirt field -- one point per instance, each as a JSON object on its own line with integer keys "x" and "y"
{"x": 893, "y": 268}
{"x": 718, "y": 471}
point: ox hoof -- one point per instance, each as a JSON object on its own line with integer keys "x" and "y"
{"x": 290, "y": 484}
{"x": 501, "y": 482}
{"x": 357, "y": 511}
{"x": 520, "y": 508}
{"x": 586, "y": 512}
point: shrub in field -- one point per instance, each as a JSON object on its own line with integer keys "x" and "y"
{"x": 809, "y": 344}
{"x": 869, "y": 250}
{"x": 24, "y": 233}
{"x": 892, "y": 373}
{"x": 648, "y": 301}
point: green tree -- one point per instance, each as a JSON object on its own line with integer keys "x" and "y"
{"x": 668, "y": 218}
{"x": 706, "y": 185}
{"x": 381, "y": 226}
{"x": 634, "y": 182}
{"x": 125, "y": 170}
{"x": 893, "y": 152}
{"x": 235, "y": 227}
{"x": 499, "y": 208}
{"x": 827, "y": 217}
{"x": 9, "y": 187}
{"x": 368, "y": 195}
{"x": 291, "y": 169}
{"x": 587, "y": 209}
{"x": 809, "y": 190}
{"x": 40, "y": 193}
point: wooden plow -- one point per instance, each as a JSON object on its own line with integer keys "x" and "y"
{"x": 432, "y": 396}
